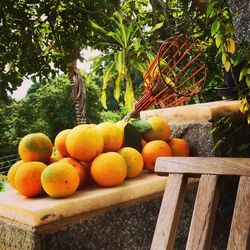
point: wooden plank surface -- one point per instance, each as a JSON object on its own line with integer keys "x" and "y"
{"x": 203, "y": 165}
{"x": 200, "y": 231}
{"x": 168, "y": 218}
{"x": 239, "y": 237}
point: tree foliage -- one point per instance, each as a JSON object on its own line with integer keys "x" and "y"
{"x": 39, "y": 39}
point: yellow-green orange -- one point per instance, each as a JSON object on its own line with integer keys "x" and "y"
{"x": 109, "y": 169}
{"x": 35, "y": 147}
{"x": 134, "y": 161}
{"x": 28, "y": 178}
{"x": 159, "y": 129}
{"x": 84, "y": 142}
{"x": 12, "y": 172}
{"x": 60, "y": 179}
{"x": 112, "y": 135}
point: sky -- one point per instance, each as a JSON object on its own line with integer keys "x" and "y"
{"x": 21, "y": 91}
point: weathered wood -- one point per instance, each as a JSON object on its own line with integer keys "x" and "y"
{"x": 167, "y": 223}
{"x": 239, "y": 237}
{"x": 200, "y": 231}
{"x": 203, "y": 165}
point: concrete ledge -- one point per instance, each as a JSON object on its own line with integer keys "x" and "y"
{"x": 42, "y": 210}
{"x": 198, "y": 113}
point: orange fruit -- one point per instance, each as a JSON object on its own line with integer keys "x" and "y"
{"x": 35, "y": 147}
{"x": 152, "y": 150}
{"x": 60, "y": 179}
{"x": 54, "y": 158}
{"x": 79, "y": 168}
{"x": 109, "y": 169}
{"x": 60, "y": 143}
{"x": 179, "y": 147}
{"x": 12, "y": 172}
{"x": 134, "y": 161}
{"x": 121, "y": 124}
{"x": 160, "y": 129}
{"x": 113, "y": 136}
{"x": 84, "y": 142}
{"x": 28, "y": 178}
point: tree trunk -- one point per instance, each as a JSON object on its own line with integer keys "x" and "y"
{"x": 78, "y": 94}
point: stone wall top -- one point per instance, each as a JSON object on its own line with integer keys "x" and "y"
{"x": 198, "y": 113}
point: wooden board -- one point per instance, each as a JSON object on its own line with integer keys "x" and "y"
{"x": 200, "y": 231}
{"x": 169, "y": 214}
{"x": 203, "y": 165}
{"x": 239, "y": 237}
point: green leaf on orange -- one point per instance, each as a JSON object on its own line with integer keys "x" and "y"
{"x": 132, "y": 137}
{"x": 141, "y": 125}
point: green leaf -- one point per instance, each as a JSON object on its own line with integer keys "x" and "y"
{"x": 248, "y": 118}
{"x": 226, "y": 14}
{"x": 106, "y": 77}
{"x": 140, "y": 125}
{"x": 244, "y": 147}
{"x": 248, "y": 80}
{"x": 97, "y": 27}
{"x": 129, "y": 93}
{"x": 103, "y": 99}
{"x": 227, "y": 66}
{"x": 120, "y": 61}
{"x": 242, "y": 73}
{"x": 218, "y": 146}
{"x": 132, "y": 137}
{"x": 118, "y": 82}
{"x": 156, "y": 27}
{"x": 215, "y": 27}
{"x": 223, "y": 58}
{"x": 218, "y": 40}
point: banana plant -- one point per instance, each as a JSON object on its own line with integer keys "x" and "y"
{"x": 125, "y": 49}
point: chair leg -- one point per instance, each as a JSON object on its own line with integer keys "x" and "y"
{"x": 206, "y": 201}
{"x": 239, "y": 237}
{"x": 169, "y": 214}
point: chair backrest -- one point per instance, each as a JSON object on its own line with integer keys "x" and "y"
{"x": 208, "y": 169}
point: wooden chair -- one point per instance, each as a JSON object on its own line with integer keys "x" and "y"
{"x": 179, "y": 169}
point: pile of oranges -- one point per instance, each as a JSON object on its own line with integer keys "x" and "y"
{"x": 86, "y": 154}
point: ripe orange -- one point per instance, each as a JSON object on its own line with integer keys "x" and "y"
{"x": 109, "y": 169}
{"x": 35, "y": 147}
{"x": 152, "y": 150}
{"x": 60, "y": 179}
{"x": 160, "y": 129}
{"x": 84, "y": 142}
{"x": 134, "y": 161}
{"x": 79, "y": 168}
{"x": 60, "y": 143}
{"x": 179, "y": 147}
{"x": 28, "y": 178}
{"x": 54, "y": 158}
{"x": 12, "y": 172}
{"x": 113, "y": 136}
{"x": 121, "y": 124}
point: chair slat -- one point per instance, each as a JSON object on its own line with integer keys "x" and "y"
{"x": 169, "y": 214}
{"x": 200, "y": 231}
{"x": 203, "y": 165}
{"x": 239, "y": 237}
